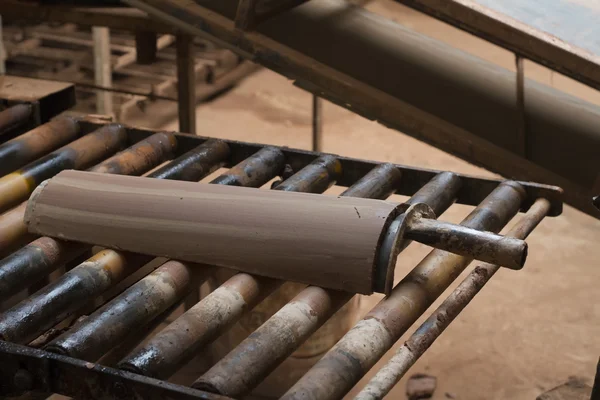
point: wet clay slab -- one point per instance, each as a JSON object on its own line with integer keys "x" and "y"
{"x": 327, "y": 241}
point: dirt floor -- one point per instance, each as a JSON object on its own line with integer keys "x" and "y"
{"x": 527, "y": 331}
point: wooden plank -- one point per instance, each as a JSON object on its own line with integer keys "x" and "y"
{"x": 328, "y": 241}
{"x": 520, "y": 30}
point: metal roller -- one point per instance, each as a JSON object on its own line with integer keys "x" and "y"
{"x": 180, "y": 341}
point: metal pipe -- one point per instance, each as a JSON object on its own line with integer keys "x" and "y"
{"x": 254, "y": 171}
{"x": 132, "y": 161}
{"x": 17, "y": 186}
{"x": 379, "y": 183}
{"x": 102, "y": 68}
{"x": 317, "y": 123}
{"x": 316, "y": 177}
{"x": 186, "y": 83}
{"x": 56, "y": 301}
{"x": 12, "y": 227}
{"x": 442, "y": 317}
{"x": 19, "y": 151}
{"x": 140, "y": 157}
{"x": 33, "y": 262}
{"x": 483, "y": 246}
{"x": 134, "y": 308}
{"x": 44, "y": 255}
{"x": 196, "y": 163}
{"x": 45, "y": 308}
{"x": 257, "y": 356}
{"x": 343, "y": 366}
{"x": 14, "y": 117}
{"x": 179, "y": 342}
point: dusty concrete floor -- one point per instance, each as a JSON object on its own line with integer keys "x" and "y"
{"x": 527, "y": 331}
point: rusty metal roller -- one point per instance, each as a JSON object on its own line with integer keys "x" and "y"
{"x": 335, "y": 242}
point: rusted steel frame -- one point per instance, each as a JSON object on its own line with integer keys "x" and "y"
{"x": 483, "y": 246}
{"x": 56, "y": 301}
{"x": 343, "y": 366}
{"x": 132, "y": 161}
{"x": 258, "y": 355}
{"x": 179, "y": 342}
{"x": 89, "y": 149}
{"x": 14, "y": 117}
{"x": 35, "y": 143}
{"x": 25, "y": 369}
{"x": 515, "y": 36}
{"x": 442, "y": 317}
{"x": 474, "y": 189}
{"x": 130, "y": 311}
{"x": 44, "y": 255}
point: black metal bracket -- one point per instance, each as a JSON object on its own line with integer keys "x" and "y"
{"x": 23, "y": 369}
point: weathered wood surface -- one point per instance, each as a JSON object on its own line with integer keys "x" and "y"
{"x": 327, "y": 241}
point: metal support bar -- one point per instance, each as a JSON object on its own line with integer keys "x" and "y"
{"x": 102, "y": 69}
{"x": 2, "y": 52}
{"x": 317, "y": 123}
{"x": 484, "y": 246}
{"x": 521, "y": 144}
{"x": 431, "y": 329}
{"x": 24, "y": 369}
{"x": 186, "y": 84}
{"x": 514, "y": 35}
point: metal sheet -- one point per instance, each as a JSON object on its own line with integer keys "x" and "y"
{"x": 560, "y": 34}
